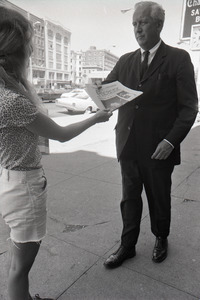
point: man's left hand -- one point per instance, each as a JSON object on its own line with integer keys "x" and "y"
{"x": 162, "y": 151}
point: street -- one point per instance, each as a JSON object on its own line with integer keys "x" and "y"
{"x": 84, "y": 224}
{"x": 94, "y": 137}
{"x": 55, "y": 111}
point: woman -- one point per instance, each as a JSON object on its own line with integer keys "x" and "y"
{"x": 22, "y": 179}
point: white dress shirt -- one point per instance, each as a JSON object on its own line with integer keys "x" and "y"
{"x": 152, "y": 52}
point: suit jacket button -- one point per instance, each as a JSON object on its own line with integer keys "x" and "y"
{"x": 137, "y": 106}
{"x": 129, "y": 128}
{"x": 140, "y": 85}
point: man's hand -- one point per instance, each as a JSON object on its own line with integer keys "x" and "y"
{"x": 162, "y": 151}
{"x": 98, "y": 84}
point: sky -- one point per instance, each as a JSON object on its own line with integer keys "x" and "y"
{"x": 100, "y": 23}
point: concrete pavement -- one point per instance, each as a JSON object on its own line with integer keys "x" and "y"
{"x": 84, "y": 227}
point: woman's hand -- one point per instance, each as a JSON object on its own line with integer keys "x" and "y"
{"x": 102, "y": 116}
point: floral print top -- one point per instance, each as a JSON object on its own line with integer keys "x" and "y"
{"x": 18, "y": 146}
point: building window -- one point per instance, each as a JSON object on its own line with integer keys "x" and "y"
{"x": 50, "y": 45}
{"x": 58, "y": 57}
{"x": 50, "y": 54}
{"x": 58, "y": 66}
{"x": 51, "y": 75}
{"x": 50, "y": 65}
{"x": 50, "y": 34}
{"x": 59, "y": 76}
{"x": 65, "y": 50}
{"x": 58, "y": 47}
{"x": 58, "y": 37}
{"x": 65, "y": 40}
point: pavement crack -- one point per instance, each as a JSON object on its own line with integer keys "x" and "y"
{"x": 73, "y": 228}
{"x": 68, "y": 227}
{"x": 101, "y": 223}
{"x": 189, "y": 200}
{"x": 185, "y": 179}
{"x": 79, "y": 277}
{"x": 162, "y": 282}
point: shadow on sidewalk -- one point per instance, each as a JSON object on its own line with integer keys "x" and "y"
{"x": 84, "y": 225}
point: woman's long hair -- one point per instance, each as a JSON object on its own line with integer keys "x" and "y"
{"x": 16, "y": 34}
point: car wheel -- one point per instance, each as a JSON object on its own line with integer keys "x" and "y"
{"x": 88, "y": 110}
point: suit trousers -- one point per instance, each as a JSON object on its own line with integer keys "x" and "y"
{"x": 157, "y": 185}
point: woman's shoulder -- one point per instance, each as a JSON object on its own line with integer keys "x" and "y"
{"x": 15, "y": 109}
{"x": 8, "y": 96}
{"x": 13, "y": 103}
{"x": 6, "y": 93}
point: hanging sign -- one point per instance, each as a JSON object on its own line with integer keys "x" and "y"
{"x": 190, "y": 16}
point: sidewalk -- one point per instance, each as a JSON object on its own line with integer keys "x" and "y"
{"x": 84, "y": 227}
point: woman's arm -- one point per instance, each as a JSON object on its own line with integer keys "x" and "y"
{"x": 46, "y": 127}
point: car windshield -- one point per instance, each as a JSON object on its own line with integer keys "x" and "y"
{"x": 82, "y": 96}
{"x": 74, "y": 95}
{"x": 77, "y": 91}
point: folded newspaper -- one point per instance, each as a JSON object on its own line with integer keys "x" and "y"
{"x": 111, "y": 95}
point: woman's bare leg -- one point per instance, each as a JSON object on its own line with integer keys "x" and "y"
{"x": 22, "y": 259}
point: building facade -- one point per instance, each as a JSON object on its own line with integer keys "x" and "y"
{"x": 57, "y": 51}
{"x": 97, "y": 62}
{"x": 102, "y": 58}
{"x": 50, "y": 61}
{"x": 76, "y": 74}
{"x": 88, "y": 71}
{"x": 37, "y": 66}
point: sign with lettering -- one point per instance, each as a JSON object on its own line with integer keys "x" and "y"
{"x": 191, "y": 16}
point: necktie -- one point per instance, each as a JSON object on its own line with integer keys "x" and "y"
{"x": 144, "y": 64}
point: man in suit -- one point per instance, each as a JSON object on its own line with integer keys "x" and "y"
{"x": 150, "y": 129}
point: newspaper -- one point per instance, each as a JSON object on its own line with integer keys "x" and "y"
{"x": 111, "y": 95}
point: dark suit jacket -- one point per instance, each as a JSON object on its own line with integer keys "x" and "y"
{"x": 166, "y": 109}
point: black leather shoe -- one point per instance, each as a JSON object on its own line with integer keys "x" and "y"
{"x": 117, "y": 258}
{"x": 160, "y": 250}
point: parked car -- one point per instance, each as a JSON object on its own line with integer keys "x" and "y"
{"x": 49, "y": 94}
{"x": 80, "y": 102}
{"x": 72, "y": 93}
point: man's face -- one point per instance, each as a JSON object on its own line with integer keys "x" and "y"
{"x": 147, "y": 31}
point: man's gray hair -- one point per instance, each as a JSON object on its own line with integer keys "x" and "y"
{"x": 157, "y": 12}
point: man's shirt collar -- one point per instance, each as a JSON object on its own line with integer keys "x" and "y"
{"x": 152, "y": 51}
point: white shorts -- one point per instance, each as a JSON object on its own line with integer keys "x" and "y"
{"x": 23, "y": 204}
